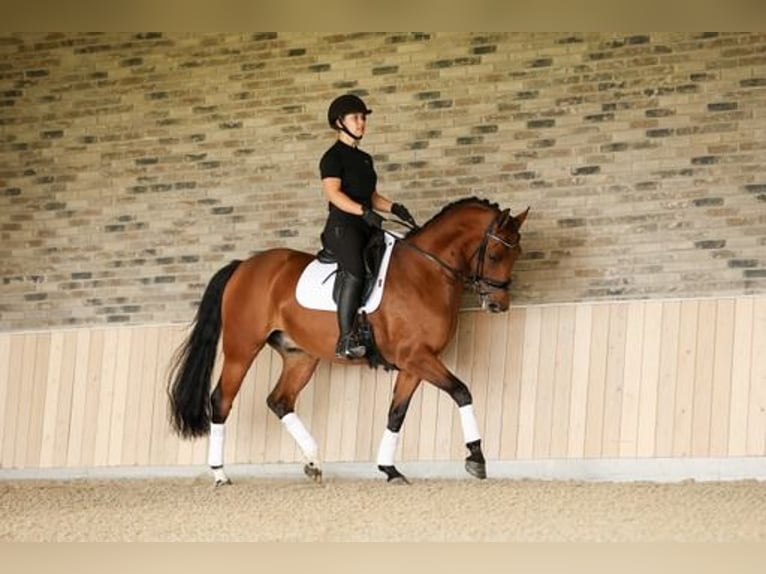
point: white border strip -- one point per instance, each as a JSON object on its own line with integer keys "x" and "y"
{"x": 591, "y": 470}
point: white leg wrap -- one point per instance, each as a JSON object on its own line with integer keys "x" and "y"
{"x": 215, "y": 444}
{"x": 305, "y": 441}
{"x": 469, "y": 424}
{"x": 387, "y": 448}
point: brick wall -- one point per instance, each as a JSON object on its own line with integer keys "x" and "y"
{"x": 132, "y": 166}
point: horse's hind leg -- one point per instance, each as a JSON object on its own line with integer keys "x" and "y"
{"x": 297, "y": 369}
{"x": 234, "y": 369}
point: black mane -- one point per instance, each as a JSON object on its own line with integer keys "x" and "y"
{"x": 456, "y": 203}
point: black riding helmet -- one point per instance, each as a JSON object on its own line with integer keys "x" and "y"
{"x": 342, "y": 106}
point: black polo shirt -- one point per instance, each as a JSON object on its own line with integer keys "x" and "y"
{"x": 355, "y": 170}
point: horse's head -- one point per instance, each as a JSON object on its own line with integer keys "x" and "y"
{"x": 478, "y": 244}
{"x": 495, "y": 256}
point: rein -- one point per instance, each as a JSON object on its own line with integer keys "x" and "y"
{"x": 475, "y": 280}
{"x": 456, "y": 273}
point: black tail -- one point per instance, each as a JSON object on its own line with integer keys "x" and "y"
{"x": 189, "y": 383}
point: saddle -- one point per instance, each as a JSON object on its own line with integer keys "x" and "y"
{"x": 372, "y": 256}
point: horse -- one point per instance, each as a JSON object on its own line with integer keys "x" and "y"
{"x": 471, "y": 243}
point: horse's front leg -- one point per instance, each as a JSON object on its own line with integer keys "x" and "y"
{"x": 404, "y": 388}
{"x": 430, "y": 368}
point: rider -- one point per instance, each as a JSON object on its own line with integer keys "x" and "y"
{"x": 349, "y": 184}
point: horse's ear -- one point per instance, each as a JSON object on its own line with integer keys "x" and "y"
{"x": 503, "y": 219}
{"x": 521, "y": 217}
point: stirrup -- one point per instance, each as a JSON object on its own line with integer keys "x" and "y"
{"x": 348, "y": 347}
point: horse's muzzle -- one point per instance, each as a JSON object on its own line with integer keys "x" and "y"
{"x": 493, "y": 306}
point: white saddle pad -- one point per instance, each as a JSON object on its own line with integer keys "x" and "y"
{"x": 314, "y": 289}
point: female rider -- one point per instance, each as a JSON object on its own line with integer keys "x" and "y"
{"x": 349, "y": 183}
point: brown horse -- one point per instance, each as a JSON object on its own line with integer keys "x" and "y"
{"x": 470, "y": 243}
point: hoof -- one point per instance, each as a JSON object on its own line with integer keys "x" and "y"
{"x": 476, "y": 469}
{"x": 401, "y": 479}
{"x": 313, "y": 472}
{"x": 219, "y": 476}
{"x": 393, "y": 476}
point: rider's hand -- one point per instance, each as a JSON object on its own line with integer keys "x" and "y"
{"x": 403, "y": 213}
{"x": 371, "y": 218}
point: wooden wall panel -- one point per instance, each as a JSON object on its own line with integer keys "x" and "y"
{"x": 740, "y": 377}
{"x": 722, "y": 369}
{"x": 562, "y": 383}
{"x": 104, "y": 387}
{"x": 12, "y": 396}
{"x": 146, "y": 379}
{"x": 685, "y": 375}
{"x": 34, "y": 435}
{"x": 320, "y": 406}
{"x": 615, "y": 376}
{"x": 578, "y": 405}
{"x": 477, "y": 374}
{"x": 25, "y": 396}
{"x": 631, "y": 385}
{"x": 5, "y": 382}
{"x": 512, "y": 383}
{"x": 598, "y": 353}
{"x": 79, "y": 394}
{"x": 366, "y": 437}
{"x": 594, "y": 380}
{"x": 119, "y": 416}
{"x": 668, "y": 376}
{"x": 546, "y": 373}
{"x": 58, "y": 399}
{"x": 651, "y": 346}
{"x": 93, "y": 404}
{"x": 529, "y": 370}
{"x": 702, "y": 395}
{"x": 756, "y": 417}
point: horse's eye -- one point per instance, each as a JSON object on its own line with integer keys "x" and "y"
{"x": 494, "y": 258}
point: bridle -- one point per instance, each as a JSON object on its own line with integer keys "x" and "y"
{"x": 476, "y": 281}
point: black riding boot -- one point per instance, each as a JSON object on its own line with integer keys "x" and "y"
{"x": 349, "y": 299}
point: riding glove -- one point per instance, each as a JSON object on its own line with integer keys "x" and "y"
{"x": 403, "y": 213}
{"x": 372, "y": 218}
